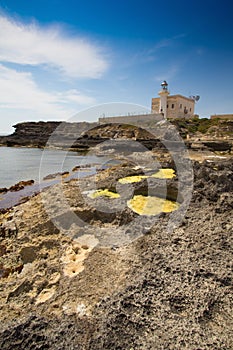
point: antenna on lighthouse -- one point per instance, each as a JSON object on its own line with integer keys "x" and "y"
{"x": 195, "y": 98}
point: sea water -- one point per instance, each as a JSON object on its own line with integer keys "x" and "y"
{"x": 17, "y": 164}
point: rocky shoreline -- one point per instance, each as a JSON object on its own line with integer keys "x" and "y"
{"x": 214, "y": 136}
{"x": 80, "y": 268}
{"x": 61, "y": 288}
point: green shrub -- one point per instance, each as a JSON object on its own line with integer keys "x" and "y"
{"x": 204, "y": 125}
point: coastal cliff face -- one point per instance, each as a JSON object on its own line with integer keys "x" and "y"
{"x": 30, "y": 133}
{"x": 61, "y": 289}
{"x": 37, "y": 134}
{"x": 203, "y": 134}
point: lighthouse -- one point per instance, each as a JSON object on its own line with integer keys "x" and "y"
{"x": 163, "y": 98}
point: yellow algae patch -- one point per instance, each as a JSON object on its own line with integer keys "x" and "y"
{"x": 104, "y": 193}
{"x": 161, "y": 174}
{"x": 143, "y": 205}
{"x": 132, "y": 179}
{"x": 164, "y": 174}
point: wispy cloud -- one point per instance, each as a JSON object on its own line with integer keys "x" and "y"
{"x": 153, "y": 53}
{"x": 166, "y": 43}
{"x": 19, "y": 91}
{"x": 31, "y": 44}
{"x": 169, "y": 74}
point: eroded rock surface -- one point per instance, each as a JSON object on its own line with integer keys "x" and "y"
{"x": 166, "y": 289}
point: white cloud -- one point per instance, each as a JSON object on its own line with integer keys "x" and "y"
{"x": 74, "y": 96}
{"x": 18, "y": 91}
{"x": 34, "y": 45}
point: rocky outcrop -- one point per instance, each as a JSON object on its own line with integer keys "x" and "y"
{"x": 218, "y": 146}
{"x": 213, "y": 146}
{"x": 199, "y": 134}
{"x": 30, "y": 134}
{"x": 60, "y": 288}
{"x": 55, "y": 175}
{"x": 37, "y": 134}
{"x": 20, "y": 185}
{"x": 76, "y": 136}
{"x": 17, "y": 187}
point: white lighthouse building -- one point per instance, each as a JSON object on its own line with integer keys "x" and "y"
{"x": 173, "y": 106}
{"x": 163, "y": 98}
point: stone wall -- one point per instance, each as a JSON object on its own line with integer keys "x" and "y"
{"x": 222, "y": 116}
{"x": 133, "y": 119}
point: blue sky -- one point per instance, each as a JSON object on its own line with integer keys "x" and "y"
{"x": 59, "y": 57}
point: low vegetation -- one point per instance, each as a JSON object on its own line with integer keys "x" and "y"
{"x": 202, "y": 125}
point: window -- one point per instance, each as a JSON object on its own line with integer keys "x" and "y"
{"x": 172, "y": 105}
{"x": 180, "y": 105}
{"x": 167, "y": 106}
{"x": 190, "y": 109}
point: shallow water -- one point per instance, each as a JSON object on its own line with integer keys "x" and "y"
{"x": 10, "y": 199}
{"x": 17, "y": 164}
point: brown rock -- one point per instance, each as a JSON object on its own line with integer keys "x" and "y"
{"x": 20, "y": 185}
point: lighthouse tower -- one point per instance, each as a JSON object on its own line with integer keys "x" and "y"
{"x": 163, "y": 98}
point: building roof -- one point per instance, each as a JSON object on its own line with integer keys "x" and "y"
{"x": 184, "y": 97}
{"x": 176, "y": 96}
